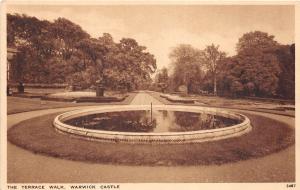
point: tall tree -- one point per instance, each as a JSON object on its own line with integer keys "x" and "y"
{"x": 286, "y": 83}
{"x": 163, "y": 75}
{"x": 61, "y": 51}
{"x": 187, "y": 66}
{"x": 212, "y": 57}
{"x": 162, "y": 79}
{"x": 66, "y": 35}
{"x": 29, "y": 35}
{"x": 124, "y": 64}
{"x": 46, "y": 48}
{"x": 134, "y": 63}
{"x": 259, "y": 63}
{"x": 256, "y": 41}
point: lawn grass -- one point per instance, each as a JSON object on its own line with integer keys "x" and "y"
{"x": 219, "y": 102}
{"x": 39, "y": 136}
{"x": 18, "y": 105}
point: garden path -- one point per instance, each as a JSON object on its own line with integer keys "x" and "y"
{"x": 143, "y": 98}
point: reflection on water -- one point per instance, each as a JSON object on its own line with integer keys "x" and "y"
{"x": 162, "y": 121}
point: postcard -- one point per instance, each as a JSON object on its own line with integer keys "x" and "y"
{"x": 104, "y": 95}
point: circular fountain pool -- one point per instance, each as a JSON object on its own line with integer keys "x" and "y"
{"x": 164, "y": 125}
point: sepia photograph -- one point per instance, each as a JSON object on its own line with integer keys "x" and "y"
{"x": 113, "y": 93}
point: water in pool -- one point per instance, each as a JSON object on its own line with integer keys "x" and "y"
{"x": 162, "y": 121}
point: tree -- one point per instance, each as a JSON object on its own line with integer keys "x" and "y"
{"x": 93, "y": 59}
{"x": 24, "y": 30}
{"x": 116, "y": 65}
{"x": 286, "y": 84}
{"x": 29, "y": 35}
{"x": 258, "y": 63}
{"x": 66, "y": 35}
{"x": 256, "y": 41}
{"x": 162, "y": 79}
{"x": 250, "y": 74}
{"x": 187, "y": 67}
{"x": 236, "y": 88}
{"x": 212, "y": 57}
{"x": 61, "y": 51}
{"x": 133, "y": 64}
{"x": 44, "y": 48}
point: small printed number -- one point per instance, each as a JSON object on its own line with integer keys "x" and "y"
{"x": 290, "y": 185}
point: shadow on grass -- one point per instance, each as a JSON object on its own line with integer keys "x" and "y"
{"x": 39, "y": 136}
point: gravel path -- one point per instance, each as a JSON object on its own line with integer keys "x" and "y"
{"x": 143, "y": 98}
{"x": 26, "y": 167}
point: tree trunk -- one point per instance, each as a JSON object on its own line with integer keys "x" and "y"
{"x": 189, "y": 88}
{"x": 21, "y": 88}
{"x": 215, "y": 85}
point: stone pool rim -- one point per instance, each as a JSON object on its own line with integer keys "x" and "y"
{"x": 150, "y": 137}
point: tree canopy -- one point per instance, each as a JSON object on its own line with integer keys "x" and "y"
{"x": 212, "y": 57}
{"x": 62, "y": 52}
{"x": 187, "y": 66}
{"x": 262, "y": 67}
{"x": 162, "y": 80}
{"x": 256, "y": 41}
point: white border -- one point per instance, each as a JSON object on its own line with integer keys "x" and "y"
{"x": 145, "y": 186}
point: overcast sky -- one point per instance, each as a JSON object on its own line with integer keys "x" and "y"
{"x": 161, "y": 27}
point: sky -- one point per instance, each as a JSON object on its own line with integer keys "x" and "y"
{"x": 162, "y": 27}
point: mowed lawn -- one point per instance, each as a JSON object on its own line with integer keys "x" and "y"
{"x": 267, "y": 136}
{"x": 18, "y": 105}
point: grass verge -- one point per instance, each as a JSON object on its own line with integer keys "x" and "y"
{"x": 18, "y": 105}
{"x": 39, "y": 136}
